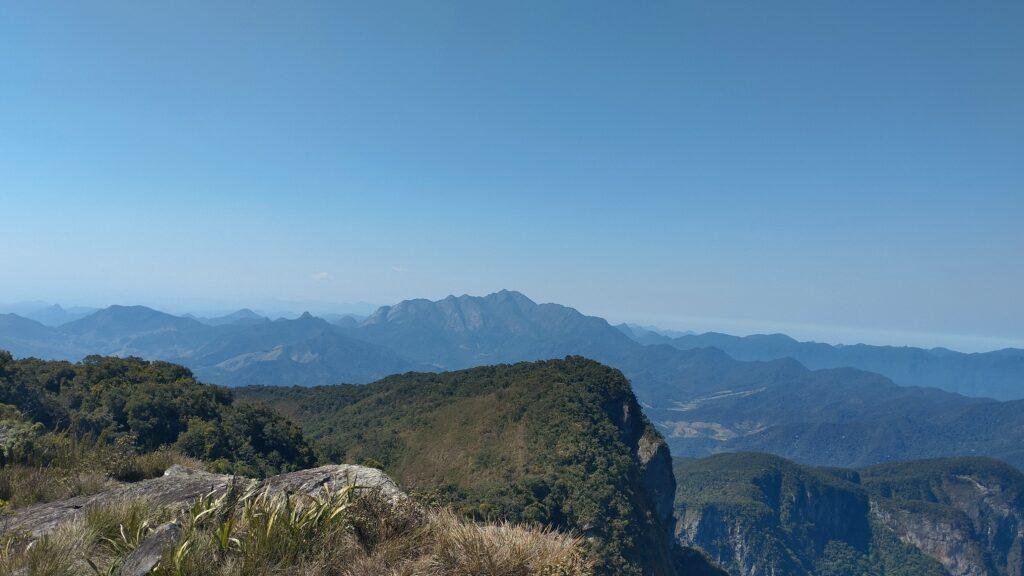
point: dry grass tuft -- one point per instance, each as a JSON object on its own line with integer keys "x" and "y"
{"x": 25, "y": 485}
{"x": 62, "y": 466}
{"x": 343, "y": 533}
{"x": 61, "y": 553}
{"x": 467, "y": 549}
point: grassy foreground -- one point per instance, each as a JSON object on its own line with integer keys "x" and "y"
{"x": 344, "y": 533}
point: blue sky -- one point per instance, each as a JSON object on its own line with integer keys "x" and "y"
{"x": 839, "y": 170}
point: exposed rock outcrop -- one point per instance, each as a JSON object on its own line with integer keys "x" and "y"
{"x": 973, "y": 524}
{"x": 333, "y": 477}
{"x": 143, "y": 559}
{"x": 782, "y": 523}
{"x": 658, "y": 484}
{"x": 658, "y": 480}
{"x": 179, "y": 486}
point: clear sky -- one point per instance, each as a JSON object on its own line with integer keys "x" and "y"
{"x": 851, "y": 170}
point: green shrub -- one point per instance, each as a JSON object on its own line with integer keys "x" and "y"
{"x": 127, "y": 411}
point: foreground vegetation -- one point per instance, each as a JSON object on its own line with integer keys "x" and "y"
{"x": 60, "y": 466}
{"x": 70, "y": 429}
{"x": 77, "y": 429}
{"x": 346, "y": 533}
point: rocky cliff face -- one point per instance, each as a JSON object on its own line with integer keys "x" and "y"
{"x": 659, "y": 483}
{"x": 657, "y": 492}
{"x": 657, "y": 478}
{"x": 759, "y": 515}
{"x": 945, "y": 537}
{"x": 966, "y": 513}
{"x": 763, "y": 516}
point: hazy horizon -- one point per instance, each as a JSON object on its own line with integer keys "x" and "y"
{"x": 838, "y": 172}
{"x": 845, "y": 335}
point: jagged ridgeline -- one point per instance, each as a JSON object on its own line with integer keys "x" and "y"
{"x": 760, "y": 515}
{"x": 560, "y": 442}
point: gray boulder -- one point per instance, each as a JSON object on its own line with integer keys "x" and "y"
{"x": 180, "y": 486}
{"x": 143, "y": 559}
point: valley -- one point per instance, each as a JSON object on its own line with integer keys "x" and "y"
{"x": 779, "y": 468}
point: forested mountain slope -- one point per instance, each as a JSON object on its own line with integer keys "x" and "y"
{"x": 559, "y": 442}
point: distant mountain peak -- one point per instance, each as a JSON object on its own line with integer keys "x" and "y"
{"x": 14, "y": 321}
{"x": 118, "y": 308}
{"x": 454, "y": 309}
{"x": 506, "y": 295}
{"x": 242, "y": 316}
{"x": 504, "y": 326}
{"x": 118, "y": 319}
{"x": 129, "y": 309}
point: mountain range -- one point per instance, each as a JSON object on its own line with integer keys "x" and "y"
{"x": 998, "y": 374}
{"x": 45, "y": 313}
{"x": 701, "y": 399}
{"x": 242, "y": 348}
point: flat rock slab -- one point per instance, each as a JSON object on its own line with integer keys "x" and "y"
{"x": 179, "y": 486}
{"x": 167, "y": 490}
{"x": 334, "y": 477}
